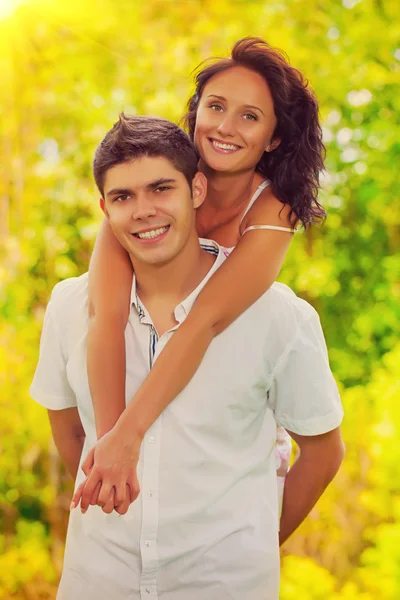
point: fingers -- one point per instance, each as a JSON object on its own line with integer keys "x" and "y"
{"x": 77, "y": 496}
{"x": 112, "y": 501}
{"x": 88, "y": 462}
{"x": 88, "y": 490}
{"x": 108, "y": 507}
{"x": 122, "y": 508}
{"x": 120, "y": 493}
{"x": 104, "y": 494}
{"x": 134, "y": 487}
{"x": 109, "y": 497}
{"x": 95, "y": 495}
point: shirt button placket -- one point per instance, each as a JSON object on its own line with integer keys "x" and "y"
{"x": 148, "y": 540}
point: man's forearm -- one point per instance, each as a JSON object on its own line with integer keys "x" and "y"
{"x": 305, "y": 483}
{"x": 70, "y": 451}
{"x": 68, "y": 436}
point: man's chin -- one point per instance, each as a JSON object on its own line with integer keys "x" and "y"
{"x": 150, "y": 258}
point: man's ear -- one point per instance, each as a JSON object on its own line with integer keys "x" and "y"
{"x": 199, "y": 189}
{"x": 273, "y": 144}
{"x": 103, "y": 208}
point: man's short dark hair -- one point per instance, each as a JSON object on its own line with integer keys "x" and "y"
{"x": 135, "y": 136}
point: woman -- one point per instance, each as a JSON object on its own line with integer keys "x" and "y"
{"x": 255, "y": 125}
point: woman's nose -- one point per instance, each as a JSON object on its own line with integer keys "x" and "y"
{"x": 226, "y": 125}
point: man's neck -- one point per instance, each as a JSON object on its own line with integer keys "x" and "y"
{"x": 225, "y": 191}
{"x": 163, "y": 287}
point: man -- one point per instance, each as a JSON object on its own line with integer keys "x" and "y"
{"x": 205, "y": 526}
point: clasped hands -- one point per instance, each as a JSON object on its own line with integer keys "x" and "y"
{"x": 110, "y": 468}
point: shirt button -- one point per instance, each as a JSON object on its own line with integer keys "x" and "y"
{"x": 147, "y": 543}
{"x": 152, "y": 439}
{"x": 150, "y": 494}
{"x": 148, "y": 590}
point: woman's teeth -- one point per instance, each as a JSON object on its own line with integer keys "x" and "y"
{"x": 225, "y": 146}
{"x": 147, "y": 235}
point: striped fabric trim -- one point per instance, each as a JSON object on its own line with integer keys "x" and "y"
{"x": 139, "y": 308}
{"x": 210, "y": 249}
{"x": 152, "y": 344}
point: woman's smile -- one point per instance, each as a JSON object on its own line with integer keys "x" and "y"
{"x": 224, "y": 147}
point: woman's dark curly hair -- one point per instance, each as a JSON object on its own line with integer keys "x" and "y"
{"x": 295, "y": 165}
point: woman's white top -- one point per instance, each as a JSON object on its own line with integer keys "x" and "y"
{"x": 254, "y": 197}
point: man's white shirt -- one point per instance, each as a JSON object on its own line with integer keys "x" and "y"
{"x": 205, "y": 526}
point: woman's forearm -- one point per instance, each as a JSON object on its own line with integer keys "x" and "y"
{"x": 170, "y": 374}
{"x": 219, "y": 303}
{"x": 110, "y": 281}
{"x": 106, "y": 370}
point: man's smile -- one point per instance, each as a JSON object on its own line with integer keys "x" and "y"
{"x": 152, "y": 235}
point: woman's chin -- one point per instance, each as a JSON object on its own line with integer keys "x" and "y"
{"x": 223, "y": 164}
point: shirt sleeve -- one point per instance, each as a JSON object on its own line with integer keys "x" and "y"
{"x": 303, "y": 393}
{"x": 50, "y": 386}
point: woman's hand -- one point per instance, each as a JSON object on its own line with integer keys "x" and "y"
{"x": 110, "y": 468}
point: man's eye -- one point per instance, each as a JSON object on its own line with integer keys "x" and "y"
{"x": 163, "y": 188}
{"x": 250, "y": 117}
{"x": 121, "y": 198}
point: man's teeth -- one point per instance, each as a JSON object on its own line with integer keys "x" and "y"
{"x": 146, "y": 235}
{"x": 225, "y": 146}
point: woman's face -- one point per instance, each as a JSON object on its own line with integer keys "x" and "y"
{"x": 235, "y": 120}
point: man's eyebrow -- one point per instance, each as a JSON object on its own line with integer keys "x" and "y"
{"x": 150, "y": 186}
{"x": 245, "y": 105}
{"x": 120, "y": 192}
{"x": 162, "y": 181}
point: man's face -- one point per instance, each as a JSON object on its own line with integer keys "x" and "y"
{"x": 150, "y": 207}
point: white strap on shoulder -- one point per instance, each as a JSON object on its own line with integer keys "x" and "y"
{"x": 254, "y": 197}
{"x": 273, "y": 227}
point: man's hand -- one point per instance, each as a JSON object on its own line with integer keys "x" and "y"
{"x": 110, "y": 467}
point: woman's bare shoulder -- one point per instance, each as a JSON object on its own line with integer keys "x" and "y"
{"x": 268, "y": 210}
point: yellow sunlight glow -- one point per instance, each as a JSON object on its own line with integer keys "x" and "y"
{"x": 7, "y": 7}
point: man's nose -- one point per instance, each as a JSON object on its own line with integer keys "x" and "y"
{"x": 226, "y": 125}
{"x": 143, "y": 207}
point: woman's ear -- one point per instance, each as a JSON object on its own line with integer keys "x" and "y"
{"x": 273, "y": 144}
{"x": 199, "y": 189}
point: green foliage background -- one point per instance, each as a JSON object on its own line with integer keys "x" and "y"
{"x": 67, "y": 70}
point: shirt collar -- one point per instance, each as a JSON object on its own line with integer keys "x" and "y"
{"x": 182, "y": 310}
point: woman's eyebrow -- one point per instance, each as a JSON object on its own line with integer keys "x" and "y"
{"x": 244, "y": 105}
{"x": 255, "y": 107}
{"x": 215, "y": 96}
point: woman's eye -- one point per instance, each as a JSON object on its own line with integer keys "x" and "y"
{"x": 216, "y": 107}
{"x": 250, "y": 117}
